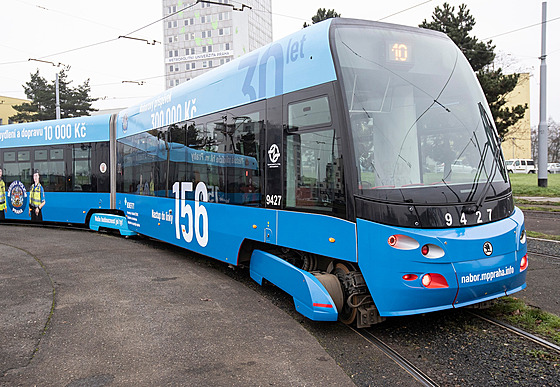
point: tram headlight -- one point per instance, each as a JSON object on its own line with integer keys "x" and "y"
{"x": 432, "y": 251}
{"x": 523, "y": 237}
{"x": 402, "y": 242}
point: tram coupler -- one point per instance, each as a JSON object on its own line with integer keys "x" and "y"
{"x": 368, "y": 316}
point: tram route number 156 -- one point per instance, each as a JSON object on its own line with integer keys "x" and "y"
{"x": 189, "y": 223}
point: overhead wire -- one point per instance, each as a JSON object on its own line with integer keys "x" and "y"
{"x": 198, "y": 1}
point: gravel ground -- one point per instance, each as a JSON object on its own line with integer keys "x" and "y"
{"x": 453, "y": 347}
{"x": 456, "y": 348}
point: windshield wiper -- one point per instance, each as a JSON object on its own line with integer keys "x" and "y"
{"x": 492, "y": 141}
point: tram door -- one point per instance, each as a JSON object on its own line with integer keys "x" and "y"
{"x": 313, "y": 170}
{"x": 273, "y": 165}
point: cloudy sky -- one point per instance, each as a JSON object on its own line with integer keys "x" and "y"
{"x": 53, "y": 30}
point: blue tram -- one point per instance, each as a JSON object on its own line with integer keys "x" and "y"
{"x": 353, "y": 164}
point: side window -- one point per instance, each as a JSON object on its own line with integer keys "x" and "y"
{"x": 314, "y": 172}
{"x": 244, "y": 178}
{"x": 309, "y": 113}
{"x": 137, "y": 159}
{"x": 16, "y": 168}
{"x": 52, "y": 170}
{"x": 81, "y": 167}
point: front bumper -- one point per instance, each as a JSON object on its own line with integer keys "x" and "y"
{"x": 470, "y": 275}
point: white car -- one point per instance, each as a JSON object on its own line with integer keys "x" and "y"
{"x": 457, "y": 167}
{"x": 553, "y": 167}
{"x": 521, "y": 166}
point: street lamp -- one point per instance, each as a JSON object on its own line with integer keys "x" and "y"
{"x": 56, "y": 83}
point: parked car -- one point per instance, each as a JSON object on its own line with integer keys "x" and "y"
{"x": 553, "y": 167}
{"x": 521, "y": 166}
{"x": 457, "y": 167}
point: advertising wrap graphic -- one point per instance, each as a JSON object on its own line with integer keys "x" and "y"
{"x": 17, "y": 197}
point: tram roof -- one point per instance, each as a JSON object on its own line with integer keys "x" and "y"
{"x": 297, "y": 61}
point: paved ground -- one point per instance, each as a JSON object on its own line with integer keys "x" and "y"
{"x": 87, "y": 309}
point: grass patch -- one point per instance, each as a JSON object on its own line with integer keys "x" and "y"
{"x": 536, "y": 207}
{"x": 540, "y": 235}
{"x": 527, "y": 185}
{"x": 515, "y": 312}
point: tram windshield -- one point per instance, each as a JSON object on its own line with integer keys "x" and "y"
{"x": 420, "y": 124}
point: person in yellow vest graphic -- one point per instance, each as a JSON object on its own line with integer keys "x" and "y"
{"x": 36, "y": 199}
{"x": 2, "y": 197}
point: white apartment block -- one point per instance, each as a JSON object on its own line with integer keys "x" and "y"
{"x": 199, "y": 37}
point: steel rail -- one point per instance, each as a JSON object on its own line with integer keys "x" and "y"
{"x": 533, "y": 252}
{"x": 406, "y": 365}
{"x": 517, "y": 331}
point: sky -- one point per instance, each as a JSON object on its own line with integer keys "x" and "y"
{"x": 53, "y": 30}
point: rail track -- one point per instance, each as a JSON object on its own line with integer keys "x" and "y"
{"x": 520, "y": 332}
{"x": 400, "y": 360}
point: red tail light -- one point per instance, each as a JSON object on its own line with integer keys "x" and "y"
{"x": 524, "y": 263}
{"x": 392, "y": 240}
{"x": 425, "y": 250}
{"x": 409, "y": 277}
{"x": 434, "y": 280}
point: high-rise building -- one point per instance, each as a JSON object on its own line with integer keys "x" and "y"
{"x": 199, "y": 37}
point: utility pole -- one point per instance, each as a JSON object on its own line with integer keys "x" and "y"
{"x": 543, "y": 128}
{"x": 57, "y": 98}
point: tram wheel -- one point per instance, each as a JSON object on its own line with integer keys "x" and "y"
{"x": 348, "y": 314}
{"x": 332, "y": 285}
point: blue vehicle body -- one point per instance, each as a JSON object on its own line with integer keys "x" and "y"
{"x": 393, "y": 253}
{"x": 472, "y": 276}
{"x": 62, "y": 206}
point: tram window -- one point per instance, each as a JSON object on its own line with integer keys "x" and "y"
{"x": 195, "y": 136}
{"x": 57, "y": 154}
{"x": 243, "y": 171}
{"x": 211, "y": 168}
{"x": 314, "y": 172}
{"x": 309, "y": 113}
{"x": 9, "y": 156}
{"x": 23, "y": 155}
{"x": 41, "y": 155}
{"x": 17, "y": 169}
{"x": 81, "y": 166}
{"x": 52, "y": 172}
